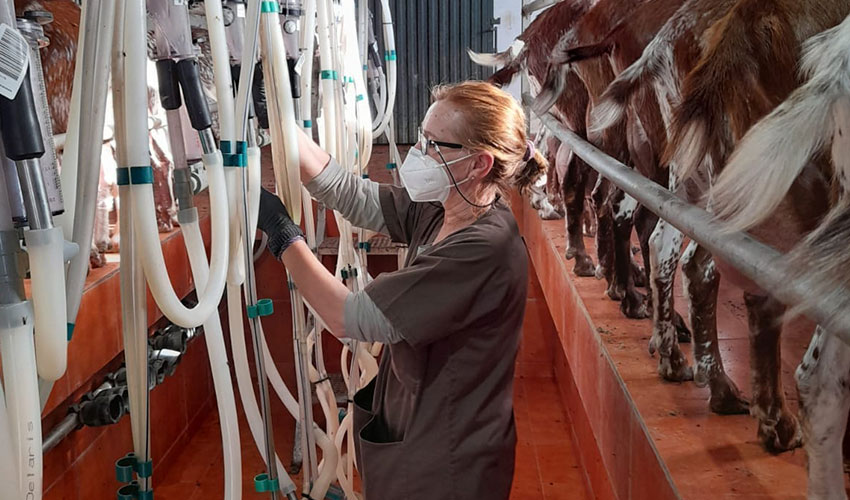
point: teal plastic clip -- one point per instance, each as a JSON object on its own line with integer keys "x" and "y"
{"x": 234, "y": 153}
{"x": 129, "y": 491}
{"x": 264, "y": 307}
{"x": 262, "y": 483}
{"x": 390, "y": 55}
{"x": 329, "y": 75}
{"x": 391, "y": 166}
{"x": 70, "y": 331}
{"x": 135, "y": 175}
{"x": 269, "y": 6}
{"x": 308, "y": 123}
{"x": 365, "y": 245}
{"x": 125, "y": 467}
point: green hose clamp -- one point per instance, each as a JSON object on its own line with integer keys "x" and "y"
{"x": 360, "y": 97}
{"x": 365, "y": 67}
{"x": 391, "y": 166}
{"x": 308, "y": 123}
{"x": 263, "y": 307}
{"x": 329, "y": 75}
{"x": 262, "y": 483}
{"x": 365, "y": 176}
{"x": 125, "y": 467}
{"x": 269, "y": 7}
{"x": 144, "y": 469}
{"x": 231, "y": 154}
{"x": 390, "y": 55}
{"x": 135, "y": 175}
{"x": 129, "y": 491}
{"x": 344, "y": 274}
{"x": 365, "y": 245}
{"x": 70, "y": 331}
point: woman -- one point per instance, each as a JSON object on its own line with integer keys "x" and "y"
{"x": 437, "y": 422}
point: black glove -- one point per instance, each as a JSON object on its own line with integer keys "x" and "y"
{"x": 275, "y": 221}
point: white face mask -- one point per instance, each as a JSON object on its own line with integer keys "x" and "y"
{"x": 425, "y": 178}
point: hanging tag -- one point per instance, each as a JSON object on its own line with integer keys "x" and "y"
{"x": 240, "y": 10}
{"x": 14, "y": 61}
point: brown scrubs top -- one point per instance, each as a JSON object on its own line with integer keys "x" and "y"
{"x": 437, "y": 422}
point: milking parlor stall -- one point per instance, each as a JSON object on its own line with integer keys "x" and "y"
{"x": 415, "y": 249}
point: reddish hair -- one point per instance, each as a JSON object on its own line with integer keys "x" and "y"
{"x": 495, "y": 122}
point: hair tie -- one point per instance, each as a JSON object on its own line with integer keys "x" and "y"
{"x": 529, "y": 152}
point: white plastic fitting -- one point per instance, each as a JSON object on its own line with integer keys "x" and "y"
{"x": 47, "y": 271}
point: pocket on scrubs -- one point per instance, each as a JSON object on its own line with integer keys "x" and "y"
{"x": 362, "y": 413}
{"x": 384, "y": 465}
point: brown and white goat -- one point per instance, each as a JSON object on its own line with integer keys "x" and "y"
{"x": 774, "y": 162}
{"x": 742, "y": 64}
{"x": 536, "y": 43}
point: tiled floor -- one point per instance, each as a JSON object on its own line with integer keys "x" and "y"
{"x": 547, "y": 465}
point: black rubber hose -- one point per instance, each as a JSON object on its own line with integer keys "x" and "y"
{"x": 169, "y": 85}
{"x": 193, "y": 92}
{"x": 21, "y": 131}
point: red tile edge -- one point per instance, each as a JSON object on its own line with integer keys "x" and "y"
{"x": 621, "y": 461}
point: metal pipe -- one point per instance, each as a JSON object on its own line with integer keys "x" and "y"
{"x": 60, "y": 432}
{"x": 755, "y": 260}
{"x": 36, "y": 200}
{"x": 536, "y": 5}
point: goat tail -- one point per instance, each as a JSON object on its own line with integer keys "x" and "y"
{"x": 654, "y": 67}
{"x": 819, "y": 264}
{"x": 765, "y": 164}
{"x": 726, "y": 93}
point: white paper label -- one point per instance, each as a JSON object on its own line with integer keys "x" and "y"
{"x": 14, "y": 60}
{"x": 240, "y": 10}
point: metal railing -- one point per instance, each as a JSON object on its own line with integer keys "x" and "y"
{"x": 762, "y": 264}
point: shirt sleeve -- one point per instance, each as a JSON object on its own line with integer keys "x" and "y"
{"x": 400, "y": 213}
{"x": 365, "y": 322}
{"x": 352, "y": 196}
{"x": 444, "y": 290}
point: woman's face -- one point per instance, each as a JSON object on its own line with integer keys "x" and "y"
{"x": 445, "y": 123}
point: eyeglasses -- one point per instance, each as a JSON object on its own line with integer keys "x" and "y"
{"x": 424, "y": 143}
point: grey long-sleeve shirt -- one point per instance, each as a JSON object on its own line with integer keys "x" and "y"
{"x": 358, "y": 202}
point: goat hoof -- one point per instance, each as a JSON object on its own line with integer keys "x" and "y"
{"x": 674, "y": 368}
{"x": 548, "y": 213}
{"x": 633, "y": 306}
{"x": 584, "y": 266}
{"x": 726, "y": 399}
{"x": 571, "y": 253}
{"x": 600, "y": 272}
{"x": 616, "y": 292}
{"x": 781, "y": 435}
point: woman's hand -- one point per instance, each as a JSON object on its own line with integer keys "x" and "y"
{"x": 275, "y": 221}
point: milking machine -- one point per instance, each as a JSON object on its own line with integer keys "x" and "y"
{"x": 33, "y": 337}
{"x": 177, "y": 71}
{"x": 285, "y": 36}
{"x": 82, "y": 154}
